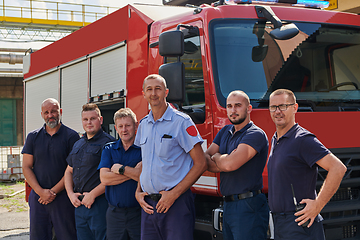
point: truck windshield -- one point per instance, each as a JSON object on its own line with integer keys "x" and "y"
{"x": 321, "y": 64}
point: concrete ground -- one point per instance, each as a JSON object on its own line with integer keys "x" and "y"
{"x": 14, "y": 225}
{"x": 14, "y": 220}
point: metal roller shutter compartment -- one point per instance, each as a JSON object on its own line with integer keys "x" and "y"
{"x": 36, "y": 91}
{"x": 74, "y": 94}
{"x": 108, "y": 72}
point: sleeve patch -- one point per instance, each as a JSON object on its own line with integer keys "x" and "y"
{"x": 192, "y": 131}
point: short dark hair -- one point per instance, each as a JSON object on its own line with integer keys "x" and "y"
{"x": 91, "y": 107}
{"x": 288, "y": 92}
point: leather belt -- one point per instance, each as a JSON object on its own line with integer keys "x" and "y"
{"x": 154, "y": 196}
{"x": 283, "y": 213}
{"x": 240, "y": 196}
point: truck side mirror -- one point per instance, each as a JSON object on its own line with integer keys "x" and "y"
{"x": 258, "y": 53}
{"x": 285, "y": 32}
{"x": 280, "y": 32}
{"x": 171, "y": 44}
{"x": 174, "y": 74}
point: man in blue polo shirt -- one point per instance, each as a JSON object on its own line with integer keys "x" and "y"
{"x": 44, "y": 164}
{"x": 293, "y": 164}
{"x": 120, "y": 169}
{"x": 172, "y": 161}
{"x": 239, "y": 152}
{"x": 82, "y": 180}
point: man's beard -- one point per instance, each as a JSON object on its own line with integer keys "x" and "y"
{"x": 52, "y": 124}
{"x": 237, "y": 122}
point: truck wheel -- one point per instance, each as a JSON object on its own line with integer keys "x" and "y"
{"x": 13, "y": 177}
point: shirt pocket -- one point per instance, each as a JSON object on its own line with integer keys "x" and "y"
{"x": 165, "y": 148}
{"x": 94, "y": 150}
{"x": 143, "y": 141}
{"x": 93, "y": 153}
{"x": 74, "y": 154}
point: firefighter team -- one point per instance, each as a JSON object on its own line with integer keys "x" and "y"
{"x": 138, "y": 187}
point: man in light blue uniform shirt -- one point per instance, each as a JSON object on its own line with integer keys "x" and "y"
{"x": 172, "y": 161}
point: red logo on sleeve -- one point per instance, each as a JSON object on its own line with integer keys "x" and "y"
{"x": 192, "y": 131}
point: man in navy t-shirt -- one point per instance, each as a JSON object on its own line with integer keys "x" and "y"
{"x": 120, "y": 169}
{"x": 239, "y": 152}
{"x": 293, "y": 164}
{"x": 44, "y": 164}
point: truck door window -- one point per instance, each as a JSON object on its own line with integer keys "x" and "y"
{"x": 346, "y": 67}
{"x": 320, "y": 64}
{"x": 194, "y": 80}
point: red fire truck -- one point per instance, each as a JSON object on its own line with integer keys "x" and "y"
{"x": 205, "y": 52}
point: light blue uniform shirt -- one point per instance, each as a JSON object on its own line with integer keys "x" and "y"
{"x": 165, "y": 146}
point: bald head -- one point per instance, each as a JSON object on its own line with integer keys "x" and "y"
{"x": 51, "y": 112}
{"x": 238, "y": 93}
{"x": 238, "y": 109}
{"x": 50, "y": 101}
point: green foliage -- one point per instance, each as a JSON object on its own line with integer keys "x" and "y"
{"x": 15, "y": 203}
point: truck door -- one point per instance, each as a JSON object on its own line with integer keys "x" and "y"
{"x": 197, "y": 103}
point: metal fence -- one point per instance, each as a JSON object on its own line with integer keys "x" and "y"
{"x": 54, "y": 10}
{"x": 10, "y": 163}
{"x": 40, "y": 20}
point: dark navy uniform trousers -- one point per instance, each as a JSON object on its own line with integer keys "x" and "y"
{"x": 286, "y": 228}
{"x": 58, "y": 214}
{"x": 177, "y": 224}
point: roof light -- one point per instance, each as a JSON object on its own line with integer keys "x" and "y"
{"x": 306, "y": 3}
{"x": 249, "y": 1}
{"x": 314, "y": 4}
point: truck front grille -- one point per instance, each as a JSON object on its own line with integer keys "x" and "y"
{"x": 342, "y": 213}
{"x": 344, "y": 194}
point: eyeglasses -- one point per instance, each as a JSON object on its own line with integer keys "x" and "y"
{"x": 282, "y": 107}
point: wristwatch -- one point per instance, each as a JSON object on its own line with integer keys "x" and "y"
{"x": 122, "y": 170}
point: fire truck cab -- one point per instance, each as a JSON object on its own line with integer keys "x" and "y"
{"x": 204, "y": 53}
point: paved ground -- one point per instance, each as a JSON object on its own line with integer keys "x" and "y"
{"x": 14, "y": 225}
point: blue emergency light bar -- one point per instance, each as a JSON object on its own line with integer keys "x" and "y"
{"x": 306, "y": 3}
{"x": 311, "y": 3}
